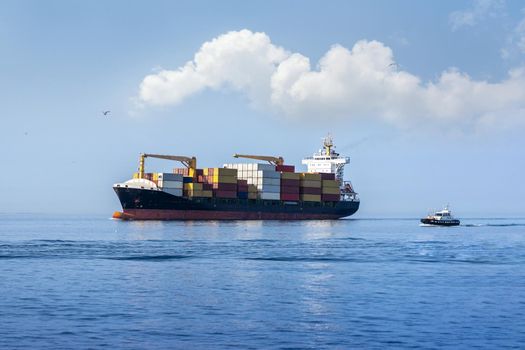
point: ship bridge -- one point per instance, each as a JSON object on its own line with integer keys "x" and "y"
{"x": 326, "y": 160}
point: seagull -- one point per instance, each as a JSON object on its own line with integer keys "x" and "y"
{"x": 106, "y": 112}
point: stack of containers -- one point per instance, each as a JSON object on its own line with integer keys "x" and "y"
{"x": 187, "y": 171}
{"x": 242, "y": 189}
{"x": 330, "y": 191}
{"x": 310, "y": 187}
{"x": 290, "y": 184}
{"x": 264, "y": 176}
{"x": 252, "y": 191}
{"x": 170, "y": 183}
{"x": 196, "y": 189}
{"x": 223, "y": 181}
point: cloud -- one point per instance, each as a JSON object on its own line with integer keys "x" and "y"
{"x": 241, "y": 60}
{"x": 480, "y": 10}
{"x": 361, "y": 82}
{"x": 515, "y": 43}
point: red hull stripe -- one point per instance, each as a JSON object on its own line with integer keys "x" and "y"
{"x": 160, "y": 214}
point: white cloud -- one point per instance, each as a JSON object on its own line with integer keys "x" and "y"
{"x": 480, "y": 10}
{"x": 362, "y": 82}
{"x": 514, "y": 46}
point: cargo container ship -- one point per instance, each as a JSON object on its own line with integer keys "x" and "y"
{"x": 241, "y": 191}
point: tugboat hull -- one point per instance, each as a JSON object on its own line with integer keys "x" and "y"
{"x": 427, "y": 221}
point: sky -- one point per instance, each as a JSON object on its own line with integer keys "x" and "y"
{"x": 426, "y": 98}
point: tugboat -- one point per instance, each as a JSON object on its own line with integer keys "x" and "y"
{"x": 441, "y": 218}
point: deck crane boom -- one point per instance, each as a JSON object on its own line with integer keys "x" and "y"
{"x": 189, "y": 162}
{"x": 269, "y": 159}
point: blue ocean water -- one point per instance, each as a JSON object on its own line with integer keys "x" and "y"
{"x": 78, "y": 283}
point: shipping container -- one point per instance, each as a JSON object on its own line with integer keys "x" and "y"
{"x": 268, "y": 174}
{"x": 269, "y": 195}
{"x": 220, "y": 171}
{"x": 269, "y": 188}
{"x": 311, "y": 177}
{"x": 285, "y": 168}
{"x": 331, "y": 190}
{"x": 310, "y": 197}
{"x": 193, "y": 186}
{"x": 269, "y": 181}
{"x": 289, "y": 196}
{"x": 330, "y": 183}
{"x": 311, "y": 183}
{"x": 290, "y": 176}
{"x": 170, "y": 177}
{"x": 224, "y": 179}
{"x": 242, "y": 195}
{"x": 225, "y": 194}
{"x": 330, "y": 197}
{"x": 310, "y": 190}
{"x": 327, "y": 176}
{"x": 290, "y": 189}
{"x": 170, "y": 184}
{"x": 198, "y": 193}
{"x": 290, "y": 182}
{"x": 224, "y": 186}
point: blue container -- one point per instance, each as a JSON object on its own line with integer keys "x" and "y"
{"x": 242, "y": 195}
{"x": 187, "y": 179}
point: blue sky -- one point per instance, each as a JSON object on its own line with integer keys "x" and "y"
{"x": 418, "y": 94}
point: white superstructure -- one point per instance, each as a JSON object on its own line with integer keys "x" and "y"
{"x": 327, "y": 160}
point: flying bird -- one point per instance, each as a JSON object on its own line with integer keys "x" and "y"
{"x": 106, "y": 113}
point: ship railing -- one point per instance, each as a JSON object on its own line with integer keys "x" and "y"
{"x": 348, "y": 193}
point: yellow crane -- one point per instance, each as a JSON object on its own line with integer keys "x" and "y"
{"x": 189, "y": 162}
{"x": 269, "y": 159}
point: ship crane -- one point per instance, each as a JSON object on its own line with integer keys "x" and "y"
{"x": 269, "y": 159}
{"x": 188, "y": 162}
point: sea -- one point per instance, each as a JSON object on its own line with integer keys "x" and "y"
{"x": 70, "y": 282}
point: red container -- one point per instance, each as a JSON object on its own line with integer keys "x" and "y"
{"x": 207, "y": 187}
{"x": 290, "y": 189}
{"x": 224, "y": 194}
{"x": 288, "y": 182}
{"x": 289, "y": 196}
{"x": 224, "y": 187}
{"x": 327, "y": 176}
{"x": 285, "y": 168}
{"x": 310, "y": 190}
{"x": 330, "y": 198}
{"x": 242, "y": 188}
{"x": 242, "y": 182}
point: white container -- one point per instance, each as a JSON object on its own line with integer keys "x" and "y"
{"x": 266, "y": 195}
{"x": 173, "y": 191}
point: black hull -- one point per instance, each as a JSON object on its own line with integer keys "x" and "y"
{"x": 143, "y": 204}
{"x": 440, "y": 222}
